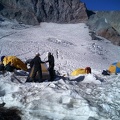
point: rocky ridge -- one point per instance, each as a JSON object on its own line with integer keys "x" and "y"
{"x": 106, "y": 24}
{"x": 36, "y": 11}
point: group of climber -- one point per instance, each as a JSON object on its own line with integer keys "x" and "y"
{"x": 10, "y": 63}
{"x": 36, "y": 70}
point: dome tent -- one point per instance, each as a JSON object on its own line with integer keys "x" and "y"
{"x": 114, "y": 67}
{"x": 78, "y": 71}
{"x": 16, "y": 62}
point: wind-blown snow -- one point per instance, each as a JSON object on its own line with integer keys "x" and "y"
{"x": 85, "y": 97}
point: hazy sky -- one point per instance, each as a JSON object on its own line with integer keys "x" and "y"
{"x": 102, "y": 4}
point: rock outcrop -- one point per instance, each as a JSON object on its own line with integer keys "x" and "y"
{"x": 36, "y": 11}
{"x": 107, "y": 25}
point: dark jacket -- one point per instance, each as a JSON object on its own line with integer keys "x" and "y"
{"x": 35, "y": 70}
{"x": 36, "y": 61}
{"x": 51, "y": 61}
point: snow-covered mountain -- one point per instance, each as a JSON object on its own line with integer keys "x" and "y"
{"x": 85, "y": 97}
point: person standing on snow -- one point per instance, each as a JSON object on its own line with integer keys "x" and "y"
{"x": 36, "y": 69}
{"x": 51, "y": 66}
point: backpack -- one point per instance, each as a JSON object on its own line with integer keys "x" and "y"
{"x": 9, "y": 68}
{"x": 88, "y": 70}
{"x": 2, "y": 67}
{"x": 105, "y": 72}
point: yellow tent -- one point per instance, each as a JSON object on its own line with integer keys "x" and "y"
{"x": 115, "y": 67}
{"x": 16, "y": 62}
{"x": 78, "y": 71}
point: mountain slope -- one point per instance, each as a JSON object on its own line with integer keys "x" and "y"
{"x": 91, "y": 96}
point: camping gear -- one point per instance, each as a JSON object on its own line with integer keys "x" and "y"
{"x": 45, "y": 73}
{"x": 2, "y": 68}
{"x": 78, "y": 71}
{"x": 115, "y": 67}
{"x": 88, "y": 70}
{"x": 2, "y": 58}
{"x": 16, "y": 62}
{"x": 9, "y": 68}
{"x": 105, "y": 72}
